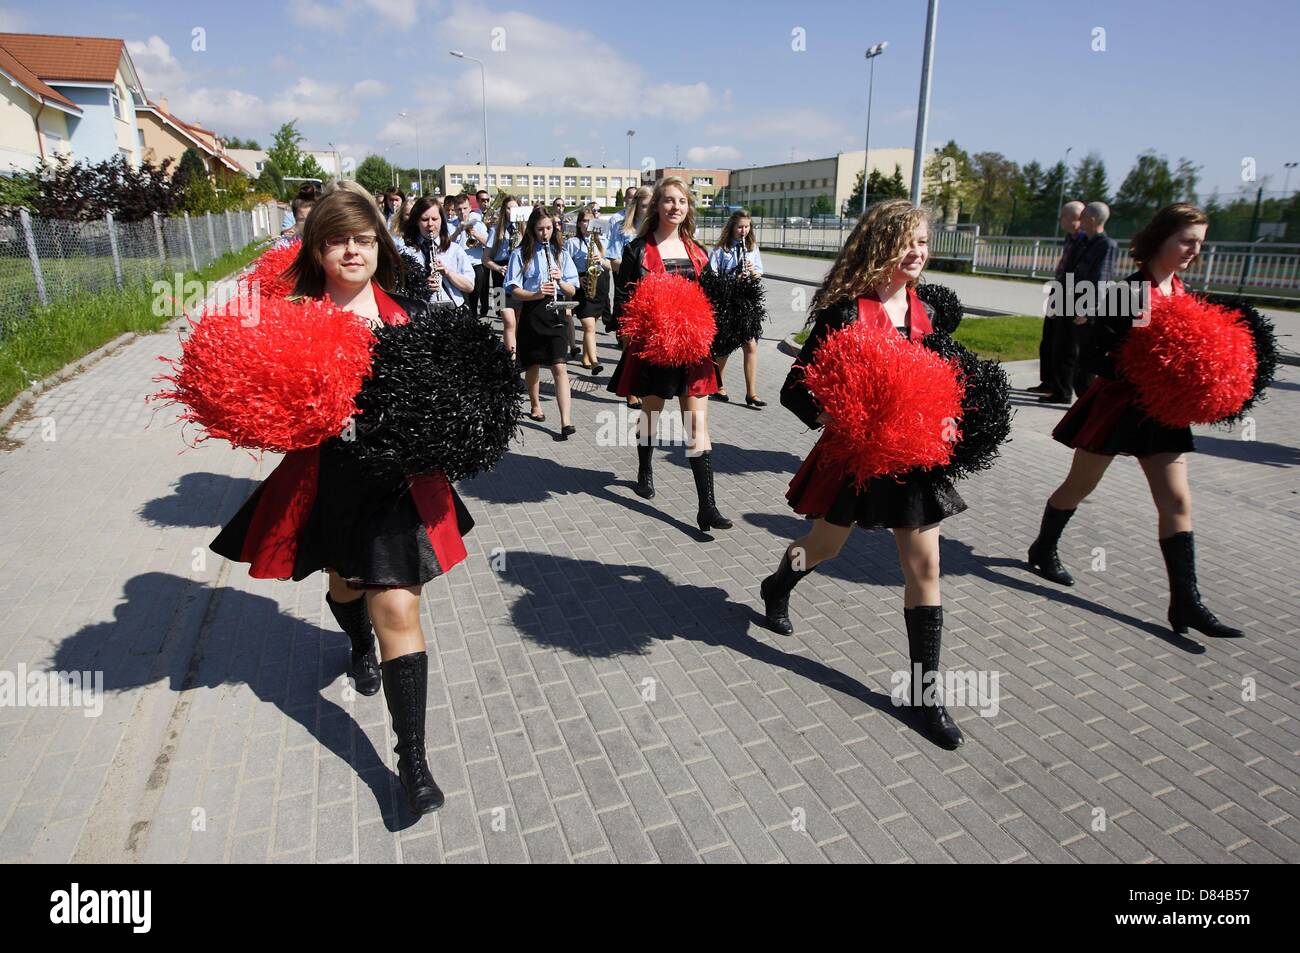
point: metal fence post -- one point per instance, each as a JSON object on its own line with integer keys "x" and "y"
{"x": 189, "y": 239}
{"x": 35, "y": 259}
{"x": 1209, "y": 269}
{"x": 112, "y": 244}
{"x": 212, "y": 238}
{"x": 243, "y": 230}
{"x": 230, "y": 231}
{"x": 1033, "y": 265}
{"x": 157, "y": 230}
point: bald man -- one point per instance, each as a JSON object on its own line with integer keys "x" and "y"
{"x": 1092, "y": 266}
{"x": 1071, "y": 213}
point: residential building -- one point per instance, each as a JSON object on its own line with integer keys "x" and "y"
{"x": 167, "y": 137}
{"x": 705, "y": 184}
{"x": 89, "y": 81}
{"x": 252, "y": 161}
{"x": 792, "y": 188}
{"x": 577, "y": 185}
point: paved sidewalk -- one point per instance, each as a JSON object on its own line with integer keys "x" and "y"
{"x": 600, "y": 688}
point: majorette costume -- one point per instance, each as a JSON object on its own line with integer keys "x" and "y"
{"x": 637, "y": 376}
{"x": 912, "y": 499}
{"x": 1108, "y": 420}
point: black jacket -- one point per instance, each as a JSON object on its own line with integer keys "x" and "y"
{"x": 795, "y": 395}
{"x": 1094, "y": 259}
{"x": 1109, "y": 329}
{"x": 630, "y": 271}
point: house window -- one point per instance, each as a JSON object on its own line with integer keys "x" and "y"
{"x": 600, "y": 182}
{"x": 552, "y": 180}
{"x": 615, "y": 182}
{"x": 139, "y": 137}
{"x": 259, "y": 165}
{"x": 456, "y": 177}
{"x": 570, "y": 181}
{"x": 491, "y": 180}
{"x": 116, "y": 95}
{"x": 472, "y": 179}
{"x": 585, "y": 181}
{"x": 539, "y": 180}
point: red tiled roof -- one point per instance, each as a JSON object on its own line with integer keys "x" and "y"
{"x": 189, "y": 129}
{"x": 11, "y": 65}
{"x": 91, "y": 59}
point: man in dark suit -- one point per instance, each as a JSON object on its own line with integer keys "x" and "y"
{"x": 1070, "y": 213}
{"x": 1091, "y": 267}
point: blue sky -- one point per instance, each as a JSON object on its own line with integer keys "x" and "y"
{"x": 720, "y": 83}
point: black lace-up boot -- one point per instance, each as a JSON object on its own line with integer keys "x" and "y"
{"x": 406, "y": 686}
{"x": 354, "y": 619}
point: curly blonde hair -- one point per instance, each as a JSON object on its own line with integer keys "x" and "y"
{"x": 874, "y": 248}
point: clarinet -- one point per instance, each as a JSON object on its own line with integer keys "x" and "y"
{"x": 439, "y": 296}
{"x": 741, "y": 258}
{"x": 555, "y": 304}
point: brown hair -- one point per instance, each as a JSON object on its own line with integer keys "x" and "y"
{"x": 411, "y": 233}
{"x": 502, "y": 226}
{"x": 1169, "y": 220}
{"x": 340, "y": 213}
{"x": 584, "y": 234}
{"x": 528, "y": 247}
{"x": 727, "y": 237}
{"x": 686, "y": 230}
{"x": 873, "y": 250}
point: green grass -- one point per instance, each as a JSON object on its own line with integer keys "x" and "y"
{"x": 53, "y": 336}
{"x": 1011, "y": 338}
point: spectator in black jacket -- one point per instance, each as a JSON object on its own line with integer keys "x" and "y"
{"x": 1070, "y": 213}
{"x": 1091, "y": 266}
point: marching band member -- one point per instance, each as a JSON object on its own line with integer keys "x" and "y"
{"x": 873, "y": 279}
{"x": 1105, "y": 421}
{"x": 538, "y": 269}
{"x": 427, "y": 240}
{"x": 500, "y": 243}
{"x": 468, "y": 231}
{"x": 738, "y": 248}
{"x": 590, "y": 305}
{"x": 665, "y": 243}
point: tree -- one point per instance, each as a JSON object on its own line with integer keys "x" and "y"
{"x": 950, "y": 182}
{"x": 271, "y": 181}
{"x": 234, "y": 142}
{"x": 375, "y": 173}
{"x": 879, "y": 188}
{"x": 1089, "y": 182}
{"x": 821, "y": 206}
{"x": 1148, "y": 186}
{"x": 570, "y": 162}
{"x": 1184, "y": 181}
{"x": 998, "y": 178}
{"x": 191, "y": 168}
{"x": 290, "y": 160}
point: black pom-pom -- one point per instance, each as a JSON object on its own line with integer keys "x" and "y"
{"x": 413, "y": 282}
{"x": 947, "y": 306}
{"x": 986, "y": 408}
{"x": 441, "y": 396}
{"x": 739, "y": 308}
{"x": 1261, "y": 330}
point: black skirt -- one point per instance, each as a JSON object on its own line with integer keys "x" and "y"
{"x": 597, "y": 307}
{"x": 542, "y": 335}
{"x": 1107, "y": 420}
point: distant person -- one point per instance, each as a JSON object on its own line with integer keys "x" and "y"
{"x": 300, "y": 209}
{"x": 1069, "y": 222}
{"x": 309, "y": 192}
{"x": 1091, "y": 262}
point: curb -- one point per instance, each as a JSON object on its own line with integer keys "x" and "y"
{"x": 25, "y": 397}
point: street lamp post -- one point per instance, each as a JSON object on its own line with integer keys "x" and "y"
{"x": 923, "y": 107}
{"x": 1060, "y": 198}
{"x": 630, "y": 134}
{"x": 1286, "y": 181}
{"x": 482, "y": 74}
{"x": 419, "y": 169}
{"x": 872, "y": 53}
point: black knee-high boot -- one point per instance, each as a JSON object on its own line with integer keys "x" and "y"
{"x": 1042, "y": 553}
{"x": 645, "y": 476}
{"x": 924, "y": 642}
{"x": 1185, "y": 607}
{"x": 406, "y": 687}
{"x": 776, "y": 590}
{"x": 354, "y": 619}
{"x": 708, "y": 516}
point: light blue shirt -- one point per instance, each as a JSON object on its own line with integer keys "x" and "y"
{"x": 505, "y": 247}
{"x": 617, "y": 240}
{"x": 287, "y": 220}
{"x": 454, "y": 259}
{"x": 479, "y": 231}
{"x": 532, "y": 277}
{"x": 577, "y": 249}
{"x": 723, "y": 260}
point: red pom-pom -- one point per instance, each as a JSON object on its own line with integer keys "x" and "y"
{"x": 670, "y": 320}
{"x": 1193, "y": 363}
{"x": 282, "y": 377}
{"x": 894, "y": 406}
{"x": 267, "y": 275}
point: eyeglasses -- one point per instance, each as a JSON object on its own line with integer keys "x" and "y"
{"x": 362, "y": 241}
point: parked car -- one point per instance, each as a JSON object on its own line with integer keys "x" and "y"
{"x": 796, "y": 220}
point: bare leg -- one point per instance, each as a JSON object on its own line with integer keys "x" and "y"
{"x": 533, "y": 378}
{"x": 1166, "y": 474}
{"x": 824, "y": 541}
{"x": 722, "y": 368}
{"x": 589, "y": 358}
{"x": 1086, "y": 471}
{"x": 918, "y": 555}
{"x": 561, "y": 374}
{"x": 395, "y": 614}
{"x": 820, "y": 543}
{"x": 695, "y": 420}
{"x": 648, "y": 423}
{"x": 508, "y": 329}
{"x": 750, "y": 349}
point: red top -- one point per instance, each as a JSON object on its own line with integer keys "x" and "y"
{"x": 653, "y": 261}
{"x": 873, "y": 313}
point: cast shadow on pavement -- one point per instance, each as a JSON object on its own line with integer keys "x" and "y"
{"x": 1249, "y": 451}
{"x": 199, "y": 499}
{"x": 957, "y": 558}
{"x": 241, "y": 639}
{"x": 555, "y": 611}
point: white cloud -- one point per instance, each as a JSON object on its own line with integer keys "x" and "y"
{"x": 159, "y": 70}
{"x": 710, "y": 156}
{"x": 11, "y": 21}
{"x": 368, "y": 87}
{"x": 339, "y": 17}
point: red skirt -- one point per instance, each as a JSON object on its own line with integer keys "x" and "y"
{"x": 919, "y": 498}
{"x": 635, "y": 377}
{"x": 319, "y": 510}
{"x": 1107, "y": 420}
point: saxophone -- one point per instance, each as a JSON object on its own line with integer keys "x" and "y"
{"x": 591, "y": 277}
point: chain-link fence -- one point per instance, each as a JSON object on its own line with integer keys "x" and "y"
{"x": 43, "y": 260}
